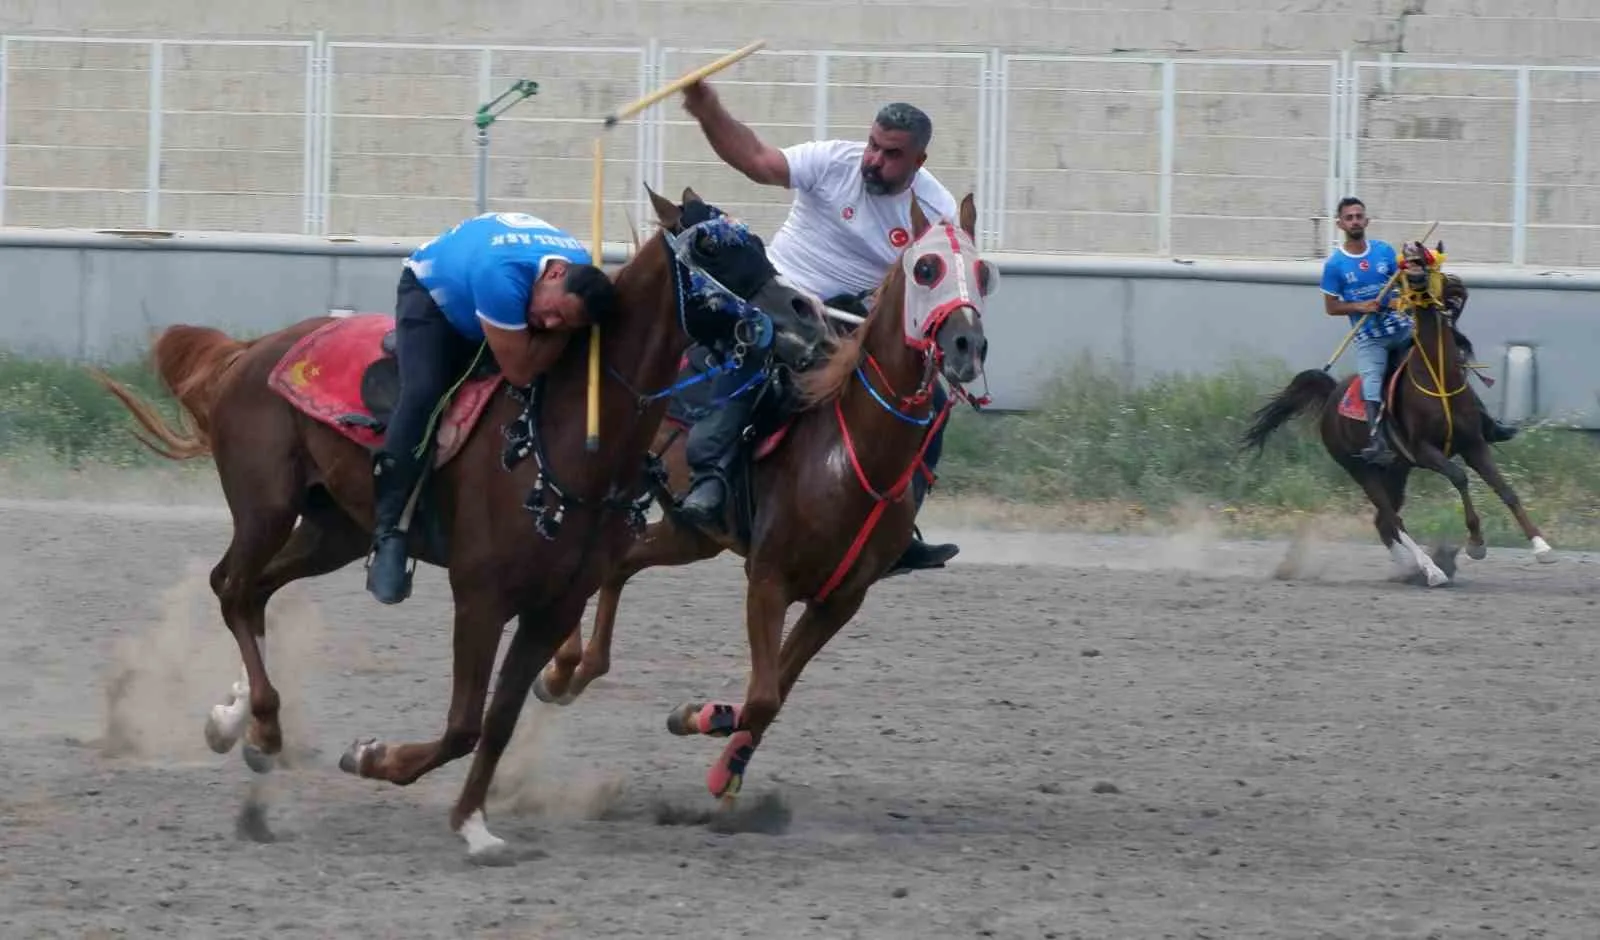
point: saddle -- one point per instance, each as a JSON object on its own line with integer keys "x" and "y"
{"x": 380, "y": 385}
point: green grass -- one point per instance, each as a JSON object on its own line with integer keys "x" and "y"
{"x": 1095, "y": 454}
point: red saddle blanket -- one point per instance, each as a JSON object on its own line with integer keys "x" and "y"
{"x": 321, "y": 376}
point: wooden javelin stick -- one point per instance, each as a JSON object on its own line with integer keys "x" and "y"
{"x": 1361, "y": 322}
{"x": 597, "y": 208}
{"x": 682, "y": 82}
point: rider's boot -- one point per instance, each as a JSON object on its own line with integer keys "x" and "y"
{"x": 1377, "y": 450}
{"x": 393, "y": 479}
{"x": 710, "y": 451}
{"x": 920, "y": 555}
{"x": 1493, "y": 431}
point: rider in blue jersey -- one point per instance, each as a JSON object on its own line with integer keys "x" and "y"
{"x": 506, "y": 279}
{"x": 1353, "y": 281}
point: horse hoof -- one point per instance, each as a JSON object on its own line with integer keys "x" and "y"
{"x": 541, "y": 691}
{"x": 258, "y": 760}
{"x": 682, "y": 720}
{"x": 1542, "y": 552}
{"x": 484, "y": 847}
{"x": 726, "y": 777}
{"x": 218, "y": 740}
{"x": 350, "y": 760}
{"x": 1477, "y": 552}
{"x": 1437, "y": 578}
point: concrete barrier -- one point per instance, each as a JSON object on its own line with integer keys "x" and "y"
{"x": 98, "y": 296}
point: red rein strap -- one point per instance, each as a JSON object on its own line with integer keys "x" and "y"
{"x": 881, "y": 500}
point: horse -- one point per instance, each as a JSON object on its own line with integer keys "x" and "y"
{"x": 519, "y": 537}
{"x": 820, "y": 511}
{"x": 1429, "y": 419}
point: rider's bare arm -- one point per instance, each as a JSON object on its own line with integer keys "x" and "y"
{"x": 736, "y": 144}
{"x": 523, "y": 355}
{"x": 1339, "y": 308}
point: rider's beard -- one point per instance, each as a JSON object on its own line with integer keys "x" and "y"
{"x": 872, "y": 179}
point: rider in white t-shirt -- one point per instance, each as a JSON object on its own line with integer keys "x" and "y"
{"x": 849, "y": 221}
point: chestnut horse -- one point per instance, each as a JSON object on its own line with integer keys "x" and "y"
{"x": 505, "y": 557}
{"x": 828, "y": 511}
{"x": 1429, "y": 419}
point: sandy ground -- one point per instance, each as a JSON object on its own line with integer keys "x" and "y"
{"x": 1058, "y": 736}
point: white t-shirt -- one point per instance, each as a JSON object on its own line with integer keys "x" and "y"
{"x": 838, "y": 237}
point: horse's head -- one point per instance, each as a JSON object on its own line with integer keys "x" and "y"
{"x": 726, "y": 263}
{"x": 945, "y": 285}
{"x": 1425, "y": 286}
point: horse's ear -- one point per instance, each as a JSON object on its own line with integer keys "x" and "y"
{"x": 668, "y": 214}
{"x": 919, "y": 222}
{"x": 969, "y": 216}
{"x": 689, "y": 196}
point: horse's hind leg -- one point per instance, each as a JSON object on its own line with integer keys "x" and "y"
{"x": 663, "y": 544}
{"x": 1479, "y": 459}
{"x": 323, "y": 542}
{"x": 262, "y": 523}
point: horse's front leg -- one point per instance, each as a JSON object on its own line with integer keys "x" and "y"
{"x": 531, "y": 645}
{"x": 1480, "y": 460}
{"x": 478, "y": 625}
{"x": 1430, "y": 457}
{"x": 663, "y": 544}
{"x": 746, "y": 726}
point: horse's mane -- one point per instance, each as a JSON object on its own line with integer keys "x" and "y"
{"x": 842, "y": 354}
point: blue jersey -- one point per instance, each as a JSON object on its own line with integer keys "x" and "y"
{"x": 484, "y": 268}
{"x": 1355, "y": 278}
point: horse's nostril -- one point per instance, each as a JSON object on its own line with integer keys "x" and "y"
{"x": 983, "y": 350}
{"x": 800, "y": 306}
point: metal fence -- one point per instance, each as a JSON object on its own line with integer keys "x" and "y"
{"x": 1186, "y": 157}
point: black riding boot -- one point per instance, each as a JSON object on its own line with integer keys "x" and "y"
{"x": 1377, "y": 450}
{"x": 393, "y": 478}
{"x": 1493, "y": 431}
{"x": 713, "y": 443}
{"x": 920, "y": 555}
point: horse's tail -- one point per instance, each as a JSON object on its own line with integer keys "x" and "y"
{"x": 1305, "y": 391}
{"x": 191, "y": 362}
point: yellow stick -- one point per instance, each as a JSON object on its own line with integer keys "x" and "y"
{"x": 592, "y": 442}
{"x": 681, "y": 83}
{"x": 597, "y": 208}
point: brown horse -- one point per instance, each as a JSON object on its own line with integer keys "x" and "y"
{"x": 537, "y": 560}
{"x": 1429, "y": 420}
{"x": 825, "y": 510}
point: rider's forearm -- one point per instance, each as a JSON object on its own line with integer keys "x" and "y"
{"x": 736, "y": 144}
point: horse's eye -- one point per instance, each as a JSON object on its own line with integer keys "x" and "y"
{"x": 705, "y": 244}
{"x": 928, "y": 270}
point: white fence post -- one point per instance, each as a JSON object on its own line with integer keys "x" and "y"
{"x": 1519, "y": 172}
{"x": 5, "y": 69}
{"x": 819, "y": 98}
{"x": 152, "y": 191}
{"x": 1169, "y": 144}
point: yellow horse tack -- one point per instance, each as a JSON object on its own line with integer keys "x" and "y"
{"x": 1431, "y": 297}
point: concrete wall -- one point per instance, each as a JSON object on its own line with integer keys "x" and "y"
{"x": 1082, "y": 147}
{"x": 102, "y": 297}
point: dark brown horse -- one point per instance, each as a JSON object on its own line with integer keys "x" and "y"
{"x": 505, "y": 559}
{"x": 1429, "y": 419}
{"x": 831, "y": 506}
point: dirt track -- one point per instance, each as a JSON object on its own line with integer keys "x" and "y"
{"x": 1287, "y": 764}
